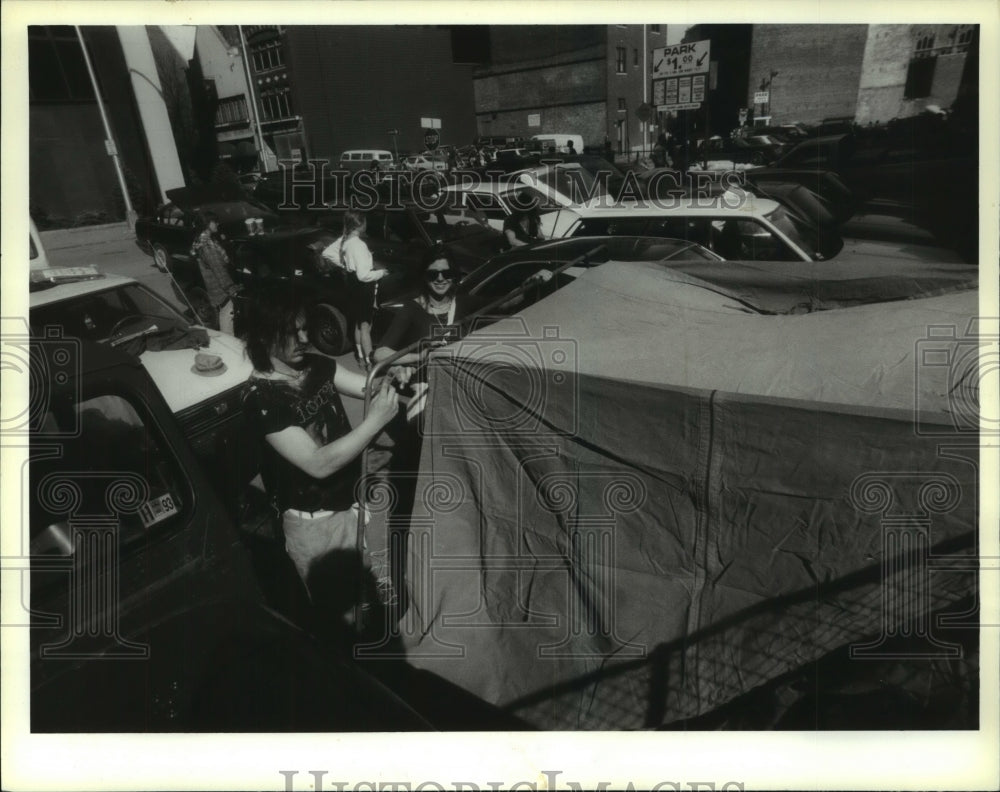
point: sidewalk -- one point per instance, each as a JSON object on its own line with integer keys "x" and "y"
{"x": 62, "y": 238}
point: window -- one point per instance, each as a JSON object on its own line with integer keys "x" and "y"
{"x": 925, "y": 47}
{"x": 621, "y": 104}
{"x": 112, "y": 441}
{"x": 57, "y": 71}
{"x": 267, "y": 56}
{"x": 920, "y": 72}
{"x": 232, "y": 111}
{"x": 635, "y": 57}
{"x": 620, "y": 56}
{"x": 276, "y": 103}
{"x": 654, "y": 28}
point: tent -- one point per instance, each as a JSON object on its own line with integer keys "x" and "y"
{"x": 638, "y": 500}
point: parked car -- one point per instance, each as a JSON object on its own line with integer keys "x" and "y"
{"x": 419, "y": 162}
{"x": 401, "y": 235}
{"x": 932, "y": 185}
{"x": 366, "y": 159}
{"x": 733, "y": 225}
{"x": 168, "y": 234}
{"x": 771, "y": 287}
{"x": 495, "y": 201}
{"x": 199, "y": 372}
{"x": 754, "y": 150}
{"x": 174, "y": 635}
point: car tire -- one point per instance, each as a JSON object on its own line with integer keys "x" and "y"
{"x": 161, "y": 258}
{"x": 328, "y": 330}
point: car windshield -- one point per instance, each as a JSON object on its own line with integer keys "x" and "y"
{"x": 99, "y": 315}
{"x": 573, "y": 182}
{"x": 797, "y": 231}
{"x": 445, "y": 226}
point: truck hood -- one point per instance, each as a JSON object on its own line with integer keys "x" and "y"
{"x": 173, "y": 371}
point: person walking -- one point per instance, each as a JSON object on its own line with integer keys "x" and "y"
{"x": 660, "y": 151}
{"x": 350, "y": 252}
{"x": 213, "y": 263}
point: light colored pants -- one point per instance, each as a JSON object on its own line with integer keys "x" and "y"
{"x": 309, "y": 537}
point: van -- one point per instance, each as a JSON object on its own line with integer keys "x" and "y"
{"x": 560, "y": 142}
{"x": 364, "y": 159}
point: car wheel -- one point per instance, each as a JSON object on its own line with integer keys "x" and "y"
{"x": 328, "y": 330}
{"x": 161, "y": 258}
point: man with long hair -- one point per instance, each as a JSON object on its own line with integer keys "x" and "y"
{"x": 310, "y": 455}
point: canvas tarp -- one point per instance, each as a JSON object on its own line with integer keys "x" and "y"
{"x": 637, "y": 502}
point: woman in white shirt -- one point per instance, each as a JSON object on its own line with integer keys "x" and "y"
{"x": 350, "y": 252}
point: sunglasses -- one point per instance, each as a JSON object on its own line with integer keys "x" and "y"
{"x": 446, "y": 274}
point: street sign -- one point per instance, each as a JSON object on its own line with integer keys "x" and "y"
{"x": 684, "y": 90}
{"x": 673, "y": 108}
{"x": 698, "y": 88}
{"x": 761, "y": 97}
{"x": 431, "y": 139}
{"x": 677, "y": 59}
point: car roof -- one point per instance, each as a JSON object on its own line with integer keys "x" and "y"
{"x": 487, "y": 186}
{"x": 748, "y": 205}
{"x": 67, "y": 291}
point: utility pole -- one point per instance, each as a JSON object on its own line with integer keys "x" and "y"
{"x": 254, "y": 117}
{"x": 130, "y": 213}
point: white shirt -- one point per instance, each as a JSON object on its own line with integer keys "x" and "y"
{"x": 357, "y": 258}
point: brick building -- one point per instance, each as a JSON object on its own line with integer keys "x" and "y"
{"x": 863, "y": 72}
{"x": 577, "y": 79}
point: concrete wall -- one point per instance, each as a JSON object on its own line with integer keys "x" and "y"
{"x": 819, "y": 69}
{"x": 216, "y": 64}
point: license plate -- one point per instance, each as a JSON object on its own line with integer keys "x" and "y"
{"x": 157, "y": 510}
{"x": 68, "y": 273}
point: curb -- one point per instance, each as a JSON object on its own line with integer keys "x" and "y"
{"x": 60, "y": 238}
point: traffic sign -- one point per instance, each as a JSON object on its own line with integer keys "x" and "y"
{"x": 673, "y": 108}
{"x": 698, "y": 88}
{"x": 677, "y": 59}
{"x": 644, "y": 112}
{"x": 761, "y": 97}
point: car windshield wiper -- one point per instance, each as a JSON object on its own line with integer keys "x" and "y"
{"x": 151, "y": 330}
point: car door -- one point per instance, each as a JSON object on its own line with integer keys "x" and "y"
{"x": 174, "y": 229}
{"x": 398, "y": 245}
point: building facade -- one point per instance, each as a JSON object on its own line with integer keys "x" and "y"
{"x": 589, "y": 80}
{"x": 321, "y": 90}
{"x": 72, "y": 179}
{"x": 867, "y": 73}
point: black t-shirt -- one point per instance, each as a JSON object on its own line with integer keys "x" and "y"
{"x": 271, "y": 405}
{"x": 413, "y": 323}
{"x": 513, "y": 223}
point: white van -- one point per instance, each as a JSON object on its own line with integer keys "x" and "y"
{"x": 559, "y": 142}
{"x": 363, "y": 159}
